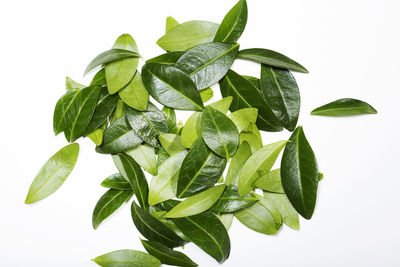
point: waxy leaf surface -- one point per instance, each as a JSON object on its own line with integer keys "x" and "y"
{"x": 170, "y": 23}
{"x": 258, "y": 218}
{"x": 99, "y": 78}
{"x": 290, "y": 217}
{"x": 237, "y": 162}
{"x": 271, "y": 181}
{"x": 233, "y": 24}
{"x": 127, "y": 258}
{"x": 230, "y": 201}
{"x": 71, "y": 84}
{"x": 171, "y": 143}
{"x": 206, "y": 94}
{"x": 169, "y": 58}
{"x": 192, "y": 130}
{"x": 254, "y": 142}
{"x": 170, "y": 117}
{"x": 344, "y": 107}
{"x": 60, "y": 120}
{"x": 135, "y": 94}
{"x": 145, "y": 156}
{"x": 242, "y": 118}
{"x": 116, "y": 181}
{"x": 222, "y": 105}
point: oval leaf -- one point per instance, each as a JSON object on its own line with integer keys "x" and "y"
{"x": 222, "y": 105}
{"x": 344, "y": 107}
{"x": 99, "y": 78}
{"x": 233, "y": 24}
{"x": 135, "y": 94}
{"x": 53, "y": 173}
{"x": 169, "y": 58}
{"x": 271, "y": 181}
{"x": 145, "y": 156}
{"x": 71, "y": 84}
{"x": 242, "y": 118}
{"x": 206, "y": 94}
{"x": 125, "y": 258}
{"x": 170, "y": 116}
{"x": 299, "y": 174}
{"x": 170, "y": 23}
{"x": 60, "y": 120}
{"x": 242, "y": 154}
{"x": 230, "y": 201}
{"x": 192, "y": 130}
{"x": 290, "y": 217}
{"x": 258, "y": 218}
{"x": 116, "y": 181}
{"x": 171, "y": 143}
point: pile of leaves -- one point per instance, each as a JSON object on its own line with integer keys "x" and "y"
{"x": 189, "y": 199}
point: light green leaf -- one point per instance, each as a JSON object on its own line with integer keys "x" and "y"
{"x": 71, "y": 84}
{"x": 145, "y": 156}
{"x": 289, "y": 215}
{"x": 170, "y": 24}
{"x": 226, "y": 219}
{"x": 242, "y": 118}
{"x": 96, "y": 136}
{"x": 135, "y": 94}
{"x": 206, "y": 94}
{"x": 222, "y": 105}
{"x": 258, "y": 218}
{"x": 127, "y": 258}
{"x": 252, "y": 139}
{"x": 192, "y": 130}
{"x": 271, "y": 181}
{"x": 171, "y": 143}
{"x": 242, "y": 154}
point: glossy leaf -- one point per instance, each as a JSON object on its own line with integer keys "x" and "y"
{"x": 164, "y": 185}
{"x": 145, "y": 156}
{"x": 192, "y": 130}
{"x": 254, "y": 130}
{"x": 252, "y": 140}
{"x": 119, "y": 137}
{"x": 132, "y": 172}
{"x": 272, "y": 209}
{"x": 148, "y": 125}
{"x": 116, "y": 181}
{"x": 170, "y": 117}
{"x": 99, "y": 78}
{"x": 169, "y": 58}
{"x": 226, "y": 219}
{"x": 187, "y": 35}
{"x": 60, "y": 120}
{"x": 171, "y": 143}
{"x": 110, "y": 56}
{"x": 258, "y": 218}
{"x": 71, "y": 84}
{"x": 290, "y": 217}
{"x": 153, "y": 229}
{"x": 167, "y": 255}
{"x": 230, "y": 201}
{"x": 246, "y": 95}
{"x": 207, "y": 63}
{"x": 200, "y": 170}
{"x": 233, "y": 24}
{"x": 257, "y": 165}
{"x": 108, "y": 204}
{"x": 96, "y": 136}
{"x": 279, "y": 88}
{"x": 206, "y": 94}
{"x": 170, "y": 23}
{"x": 120, "y": 73}
{"x": 53, "y": 173}
{"x": 271, "y": 58}
{"x": 344, "y": 107}
{"x": 271, "y": 181}
{"x": 222, "y": 105}
{"x": 237, "y": 162}
{"x": 219, "y": 132}
{"x": 299, "y": 174}
{"x": 162, "y": 155}
{"x": 197, "y": 203}
{"x": 242, "y": 118}
{"x": 127, "y": 258}
{"x": 120, "y": 111}
{"x": 135, "y": 94}
{"x": 171, "y": 87}
{"x": 208, "y": 233}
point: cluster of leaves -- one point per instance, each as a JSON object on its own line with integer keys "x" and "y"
{"x": 189, "y": 199}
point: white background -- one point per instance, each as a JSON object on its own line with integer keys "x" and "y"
{"x": 351, "y": 49}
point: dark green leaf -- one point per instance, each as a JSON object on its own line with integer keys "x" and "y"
{"x": 246, "y": 95}
{"x": 153, "y": 229}
{"x": 219, "y": 132}
{"x": 170, "y": 116}
{"x": 99, "y": 78}
{"x": 60, "y": 120}
{"x": 116, "y": 181}
{"x": 279, "y": 88}
{"x": 230, "y": 201}
{"x": 169, "y": 58}
{"x": 167, "y": 255}
{"x": 171, "y": 87}
{"x": 127, "y": 258}
{"x": 110, "y": 56}
{"x": 207, "y": 63}
{"x": 148, "y": 125}
{"x": 162, "y": 155}
{"x": 119, "y": 137}
{"x": 108, "y": 204}
{"x": 344, "y": 107}
{"x": 241, "y": 155}
{"x": 53, "y": 173}
{"x": 233, "y": 24}
{"x": 271, "y": 58}
{"x": 200, "y": 170}
{"x": 299, "y": 173}
{"x": 132, "y": 172}
{"x": 258, "y": 218}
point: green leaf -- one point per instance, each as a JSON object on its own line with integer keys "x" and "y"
{"x": 96, "y": 136}
{"x": 170, "y": 116}
{"x": 162, "y": 155}
{"x": 219, "y": 132}
{"x": 120, "y": 73}
{"x": 148, "y": 125}
{"x": 80, "y": 112}
{"x": 246, "y": 95}
{"x": 110, "y": 56}
{"x": 171, "y": 87}
{"x": 208, "y": 233}
{"x": 127, "y": 258}
{"x": 132, "y": 172}
{"x": 222, "y": 105}
{"x": 108, "y": 204}
{"x": 119, "y": 137}
{"x": 206, "y": 94}
{"x": 242, "y": 154}
{"x": 207, "y": 63}
{"x": 226, "y": 219}
{"x": 145, "y": 156}
{"x": 106, "y": 104}
{"x": 53, "y": 173}
{"x": 230, "y": 201}
{"x": 163, "y": 186}
{"x": 116, "y": 181}
{"x": 170, "y": 24}
{"x": 299, "y": 174}
{"x": 99, "y": 78}
{"x": 120, "y": 111}
{"x": 169, "y": 58}
{"x": 171, "y": 143}
{"x": 167, "y": 255}
{"x": 320, "y": 176}
{"x": 187, "y": 35}
{"x": 271, "y": 181}
{"x": 200, "y": 170}
{"x": 257, "y": 165}
{"x": 233, "y": 24}
{"x": 271, "y": 58}
{"x": 192, "y": 130}
{"x": 272, "y": 209}
{"x": 197, "y": 203}
{"x": 153, "y": 229}
{"x": 60, "y": 120}
{"x": 258, "y": 218}
{"x": 71, "y": 84}
{"x": 344, "y": 107}
{"x": 253, "y": 129}
{"x": 242, "y": 118}
{"x": 252, "y": 140}
{"x": 280, "y": 90}
{"x": 135, "y": 94}
{"x": 290, "y": 217}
